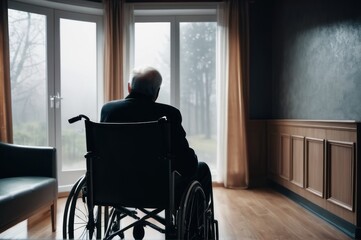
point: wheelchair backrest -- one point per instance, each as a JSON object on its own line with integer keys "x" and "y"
{"x": 128, "y": 163}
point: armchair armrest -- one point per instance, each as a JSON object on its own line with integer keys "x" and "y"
{"x": 18, "y": 160}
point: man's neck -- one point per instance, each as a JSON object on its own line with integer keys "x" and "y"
{"x": 139, "y": 96}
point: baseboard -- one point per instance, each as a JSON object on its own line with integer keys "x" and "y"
{"x": 346, "y": 227}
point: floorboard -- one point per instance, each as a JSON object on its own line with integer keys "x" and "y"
{"x": 242, "y": 214}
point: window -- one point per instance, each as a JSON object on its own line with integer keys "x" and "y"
{"x": 56, "y": 73}
{"x": 181, "y": 43}
{"x": 28, "y": 68}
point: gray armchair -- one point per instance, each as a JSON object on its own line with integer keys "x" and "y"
{"x": 28, "y": 183}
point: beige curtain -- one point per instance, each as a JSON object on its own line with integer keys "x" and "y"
{"x": 237, "y": 154}
{"x": 113, "y": 52}
{"x": 5, "y": 89}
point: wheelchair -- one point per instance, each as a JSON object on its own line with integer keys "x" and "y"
{"x": 128, "y": 175}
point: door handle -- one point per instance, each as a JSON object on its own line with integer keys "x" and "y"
{"x": 58, "y": 98}
{"x": 55, "y": 99}
{"x": 52, "y": 99}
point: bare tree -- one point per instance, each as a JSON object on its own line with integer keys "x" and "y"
{"x": 198, "y": 73}
{"x": 27, "y": 69}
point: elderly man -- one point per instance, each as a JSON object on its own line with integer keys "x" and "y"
{"x": 140, "y": 106}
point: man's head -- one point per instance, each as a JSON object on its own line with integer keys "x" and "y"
{"x": 146, "y": 81}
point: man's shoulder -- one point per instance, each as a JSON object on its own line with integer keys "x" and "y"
{"x": 167, "y": 107}
{"x": 115, "y": 103}
{"x": 138, "y": 110}
{"x": 111, "y": 108}
{"x": 171, "y": 112}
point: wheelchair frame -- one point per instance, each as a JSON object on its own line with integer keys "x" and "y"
{"x": 104, "y": 221}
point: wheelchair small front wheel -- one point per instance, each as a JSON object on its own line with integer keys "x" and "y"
{"x": 138, "y": 231}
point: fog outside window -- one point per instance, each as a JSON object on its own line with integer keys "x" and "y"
{"x": 183, "y": 49}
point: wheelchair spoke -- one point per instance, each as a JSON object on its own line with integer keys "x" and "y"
{"x": 84, "y": 217}
{"x": 82, "y": 225}
{"x": 83, "y": 234}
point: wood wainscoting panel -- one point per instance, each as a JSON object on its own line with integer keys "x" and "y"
{"x": 257, "y": 152}
{"x": 297, "y": 160}
{"x": 315, "y": 166}
{"x": 340, "y": 173}
{"x": 285, "y": 163}
{"x": 318, "y": 160}
{"x": 273, "y": 153}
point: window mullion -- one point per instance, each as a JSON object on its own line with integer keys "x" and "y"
{"x": 175, "y": 83}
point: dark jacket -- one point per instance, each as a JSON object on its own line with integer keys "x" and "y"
{"x": 137, "y": 108}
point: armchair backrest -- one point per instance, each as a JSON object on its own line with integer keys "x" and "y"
{"x": 128, "y": 163}
{"x": 18, "y": 160}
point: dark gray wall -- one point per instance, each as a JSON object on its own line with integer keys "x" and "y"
{"x": 316, "y": 60}
{"x": 260, "y": 105}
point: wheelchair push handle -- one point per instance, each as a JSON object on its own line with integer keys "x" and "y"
{"x": 78, "y": 118}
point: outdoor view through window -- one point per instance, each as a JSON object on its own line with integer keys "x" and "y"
{"x": 28, "y": 73}
{"x": 195, "y": 84}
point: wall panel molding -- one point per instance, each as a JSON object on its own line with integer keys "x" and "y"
{"x": 340, "y": 173}
{"x": 273, "y": 153}
{"x": 315, "y": 166}
{"x": 285, "y": 163}
{"x": 318, "y": 160}
{"x": 297, "y": 160}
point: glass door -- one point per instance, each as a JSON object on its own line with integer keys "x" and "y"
{"x": 76, "y": 88}
{"x": 55, "y": 62}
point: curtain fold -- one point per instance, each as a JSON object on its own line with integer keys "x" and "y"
{"x": 237, "y": 174}
{"x": 5, "y": 88}
{"x": 114, "y": 49}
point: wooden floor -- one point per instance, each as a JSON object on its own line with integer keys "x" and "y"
{"x": 242, "y": 214}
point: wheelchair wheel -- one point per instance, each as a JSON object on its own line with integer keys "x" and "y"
{"x": 192, "y": 214}
{"x": 212, "y": 224}
{"x": 67, "y": 206}
{"x": 78, "y": 225}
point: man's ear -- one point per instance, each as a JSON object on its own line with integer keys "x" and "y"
{"x": 156, "y": 96}
{"x": 129, "y": 88}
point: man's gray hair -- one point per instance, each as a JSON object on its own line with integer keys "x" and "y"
{"x": 146, "y": 81}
